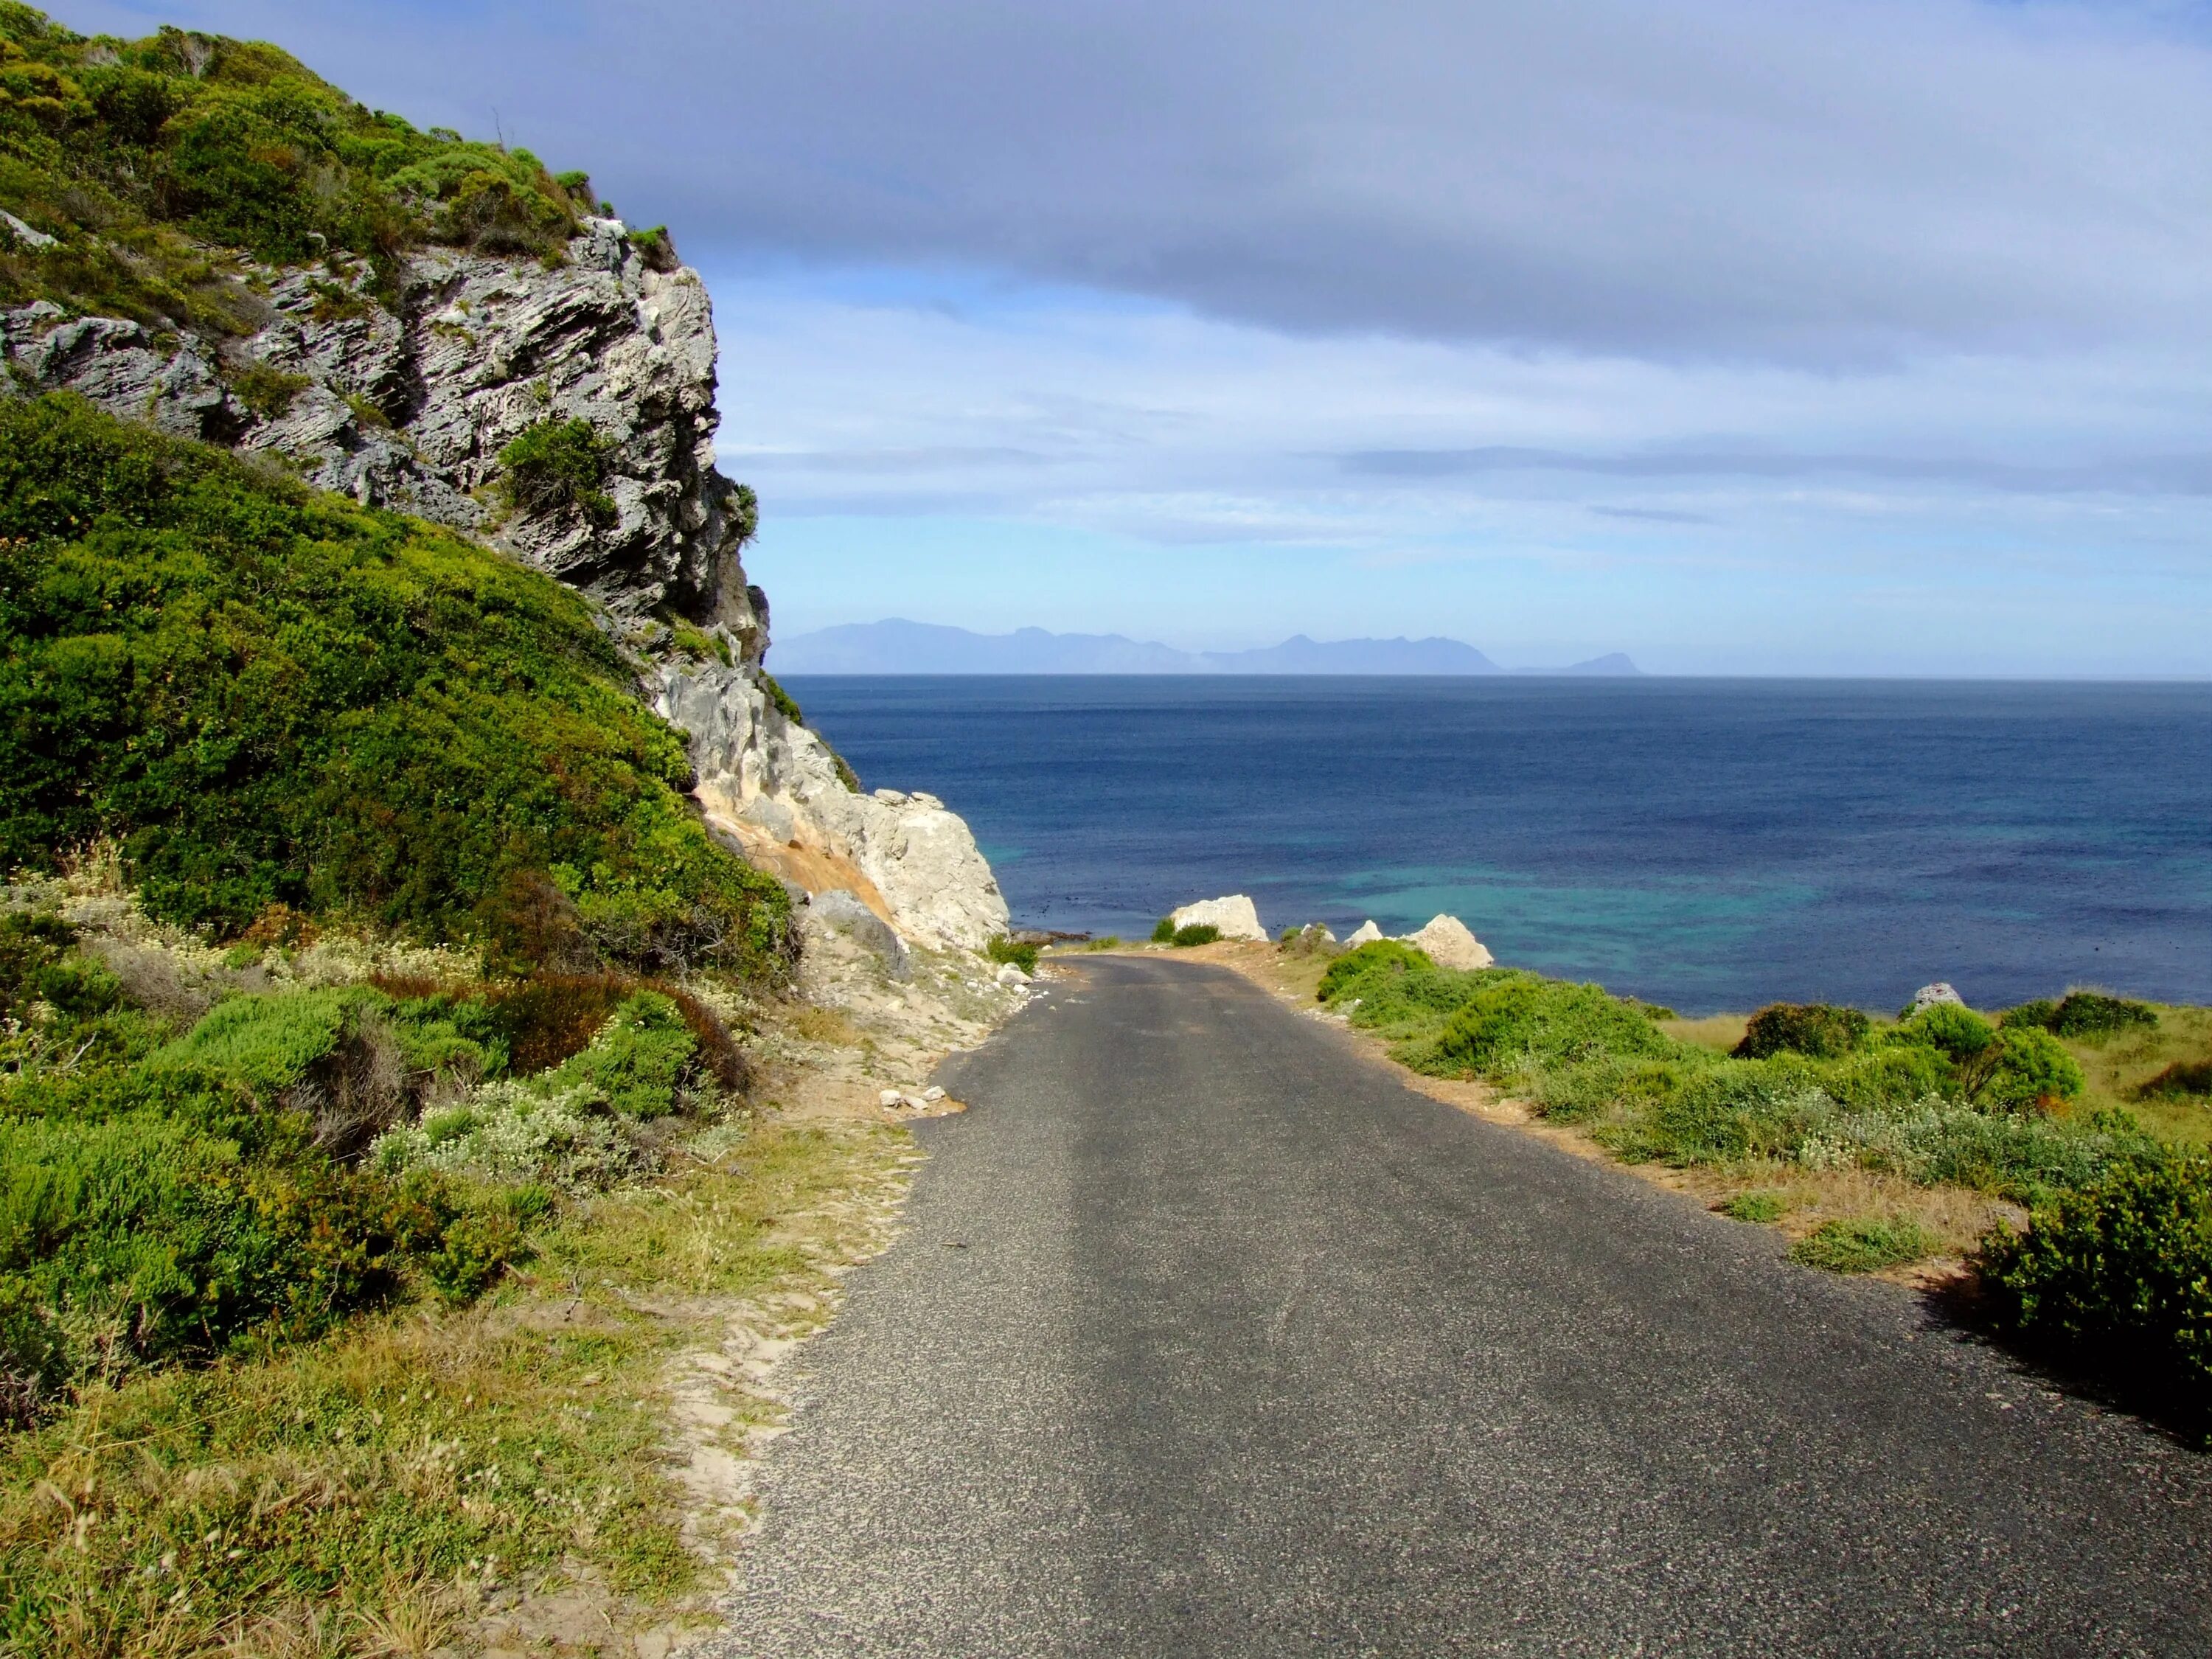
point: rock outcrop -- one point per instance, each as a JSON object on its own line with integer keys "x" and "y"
{"x": 405, "y": 394}
{"x": 1366, "y": 933}
{"x": 1449, "y": 945}
{"x": 1236, "y": 916}
{"x": 775, "y": 788}
{"x": 1940, "y": 994}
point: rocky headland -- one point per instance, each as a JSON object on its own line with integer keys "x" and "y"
{"x": 410, "y": 391}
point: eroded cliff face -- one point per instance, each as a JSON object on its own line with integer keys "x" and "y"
{"x": 409, "y": 404}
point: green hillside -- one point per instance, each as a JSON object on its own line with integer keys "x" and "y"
{"x": 141, "y": 157}
{"x": 274, "y": 698}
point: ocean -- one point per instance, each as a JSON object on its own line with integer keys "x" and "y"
{"x": 1708, "y": 844}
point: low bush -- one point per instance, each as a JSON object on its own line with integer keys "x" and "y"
{"x": 1526, "y": 1020}
{"x": 1003, "y": 948}
{"x": 518, "y": 1131}
{"x": 1960, "y": 1034}
{"x": 637, "y": 1062}
{"x": 1164, "y": 931}
{"x": 141, "y": 1240}
{"x": 558, "y": 466}
{"x": 2116, "y": 1275}
{"x": 1754, "y": 1206}
{"x": 1195, "y": 932}
{"x": 2030, "y": 1070}
{"x": 1818, "y": 1028}
{"x": 2182, "y": 1080}
{"x": 1861, "y": 1246}
{"x": 2092, "y": 1014}
{"x": 1377, "y": 958}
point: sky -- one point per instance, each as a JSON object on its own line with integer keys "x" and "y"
{"x": 1763, "y": 336}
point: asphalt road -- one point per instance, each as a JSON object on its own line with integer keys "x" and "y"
{"x": 1206, "y": 1336}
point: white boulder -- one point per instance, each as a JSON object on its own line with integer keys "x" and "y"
{"x": 1449, "y": 945}
{"x": 1929, "y": 996}
{"x": 1236, "y": 916}
{"x": 774, "y": 787}
{"x": 1009, "y": 974}
{"x": 1366, "y": 933}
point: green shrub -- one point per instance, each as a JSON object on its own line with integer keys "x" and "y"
{"x": 141, "y": 1240}
{"x": 272, "y": 697}
{"x": 40, "y": 964}
{"x": 268, "y": 391}
{"x": 1754, "y": 1206}
{"x": 1888, "y": 1076}
{"x": 1861, "y": 1246}
{"x": 2117, "y": 1275}
{"x": 558, "y": 466}
{"x": 2040, "y": 1012}
{"x": 138, "y": 153}
{"x": 1409, "y": 1006}
{"x": 1812, "y": 1028}
{"x": 1195, "y": 932}
{"x": 530, "y": 1131}
{"x": 2030, "y": 1069}
{"x": 1164, "y": 931}
{"x": 2093, "y": 1014}
{"x": 265, "y": 1045}
{"x": 1526, "y": 1021}
{"x": 1959, "y": 1034}
{"x": 637, "y": 1062}
{"x": 2183, "y": 1078}
{"x": 1376, "y": 958}
{"x": 1003, "y": 948}
{"x": 698, "y": 644}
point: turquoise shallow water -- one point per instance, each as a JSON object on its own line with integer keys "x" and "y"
{"x": 1707, "y": 844}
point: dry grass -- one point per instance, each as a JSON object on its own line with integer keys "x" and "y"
{"x": 2118, "y": 1067}
{"x": 1719, "y": 1032}
{"x": 830, "y": 1025}
{"x": 370, "y": 1494}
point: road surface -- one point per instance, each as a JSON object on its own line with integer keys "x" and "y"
{"x": 1207, "y": 1336}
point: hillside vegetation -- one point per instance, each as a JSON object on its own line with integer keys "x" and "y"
{"x": 361, "y": 952}
{"x": 2078, "y": 1112}
{"x": 269, "y": 698}
{"x": 147, "y": 158}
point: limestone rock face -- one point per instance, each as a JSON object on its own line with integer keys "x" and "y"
{"x": 408, "y": 405}
{"x": 773, "y": 788}
{"x": 404, "y": 397}
{"x": 1236, "y": 916}
{"x": 1366, "y": 933}
{"x": 1449, "y": 945}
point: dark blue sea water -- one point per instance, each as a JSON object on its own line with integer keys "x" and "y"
{"x": 1711, "y": 844}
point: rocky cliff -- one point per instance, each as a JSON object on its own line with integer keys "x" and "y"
{"x": 412, "y": 392}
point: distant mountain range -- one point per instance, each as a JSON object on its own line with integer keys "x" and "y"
{"x": 898, "y": 647}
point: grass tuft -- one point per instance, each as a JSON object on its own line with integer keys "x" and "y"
{"x": 1861, "y": 1246}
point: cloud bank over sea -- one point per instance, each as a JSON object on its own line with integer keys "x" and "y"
{"x": 1860, "y": 337}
